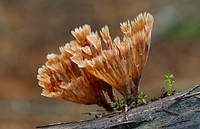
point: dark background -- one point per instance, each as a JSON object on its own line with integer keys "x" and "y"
{"x": 30, "y": 29}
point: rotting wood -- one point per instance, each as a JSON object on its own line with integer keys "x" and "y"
{"x": 181, "y": 110}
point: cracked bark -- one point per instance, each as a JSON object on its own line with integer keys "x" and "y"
{"x": 181, "y": 110}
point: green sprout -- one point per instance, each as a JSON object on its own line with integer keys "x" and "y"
{"x": 170, "y": 82}
{"x": 119, "y": 103}
{"x": 141, "y": 100}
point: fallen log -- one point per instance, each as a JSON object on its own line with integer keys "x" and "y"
{"x": 181, "y": 110}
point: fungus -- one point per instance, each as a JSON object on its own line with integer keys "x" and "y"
{"x": 85, "y": 73}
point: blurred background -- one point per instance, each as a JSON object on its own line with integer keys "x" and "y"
{"x": 30, "y": 29}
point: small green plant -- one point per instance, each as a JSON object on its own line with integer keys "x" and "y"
{"x": 141, "y": 100}
{"x": 119, "y": 103}
{"x": 170, "y": 83}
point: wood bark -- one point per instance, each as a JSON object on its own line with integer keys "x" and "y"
{"x": 181, "y": 110}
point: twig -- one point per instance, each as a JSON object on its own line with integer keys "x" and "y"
{"x": 187, "y": 94}
{"x": 171, "y": 111}
{"x": 193, "y": 94}
{"x": 50, "y": 125}
{"x": 130, "y": 106}
{"x": 125, "y": 113}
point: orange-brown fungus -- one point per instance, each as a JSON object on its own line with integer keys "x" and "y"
{"x": 83, "y": 72}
